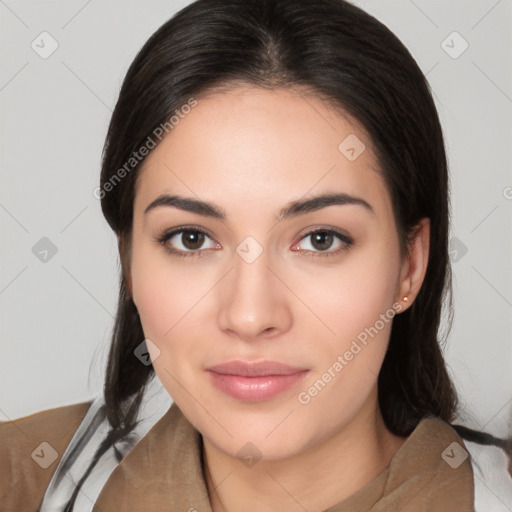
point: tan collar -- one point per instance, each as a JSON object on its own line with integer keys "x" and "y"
{"x": 164, "y": 472}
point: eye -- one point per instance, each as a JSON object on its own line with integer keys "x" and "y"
{"x": 186, "y": 242}
{"x": 191, "y": 242}
{"x": 325, "y": 241}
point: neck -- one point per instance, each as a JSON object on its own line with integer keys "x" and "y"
{"x": 316, "y": 478}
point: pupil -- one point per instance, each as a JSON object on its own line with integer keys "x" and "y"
{"x": 322, "y": 240}
{"x": 192, "y": 240}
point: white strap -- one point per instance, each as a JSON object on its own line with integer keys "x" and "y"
{"x": 91, "y": 432}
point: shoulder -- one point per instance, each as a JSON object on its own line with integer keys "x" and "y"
{"x": 30, "y": 449}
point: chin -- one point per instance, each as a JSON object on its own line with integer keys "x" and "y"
{"x": 256, "y": 446}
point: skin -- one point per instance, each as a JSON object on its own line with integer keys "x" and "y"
{"x": 251, "y": 152}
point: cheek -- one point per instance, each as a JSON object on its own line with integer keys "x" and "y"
{"x": 162, "y": 300}
{"x": 352, "y": 295}
{"x": 156, "y": 303}
{"x": 162, "y": 292}
{"x": 355, "y": 303}
{"x": 158, "y": 291}
{"x": 172, "y": 301}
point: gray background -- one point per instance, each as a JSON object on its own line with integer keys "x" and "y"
{"x": 56, "y": 315}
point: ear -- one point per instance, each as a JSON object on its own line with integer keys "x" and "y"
{"x": 414, "y": 266}
{"x": 124, "y": 257}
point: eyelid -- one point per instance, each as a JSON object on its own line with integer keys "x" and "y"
{"x": 345, "y": 239}
{"x": 331, "y": 229}
{"x": 164, "y": 237}
{"x": 169, "y": 233}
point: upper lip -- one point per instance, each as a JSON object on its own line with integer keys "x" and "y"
{"x": 255, "y": 369}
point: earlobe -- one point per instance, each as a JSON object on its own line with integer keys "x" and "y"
{"x": 414, "y": 267}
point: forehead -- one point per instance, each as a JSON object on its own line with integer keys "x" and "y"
{"x": 250, "y": 146}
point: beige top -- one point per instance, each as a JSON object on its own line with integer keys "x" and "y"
{"x": 164, "y": 470}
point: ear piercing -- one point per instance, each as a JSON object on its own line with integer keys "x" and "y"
{"x": 405, "y": 299}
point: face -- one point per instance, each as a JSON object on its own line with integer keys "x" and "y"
{"x": 251, "y": 277}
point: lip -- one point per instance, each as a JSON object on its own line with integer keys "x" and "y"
{"x": 255, "y": 381}
{"x": 255, "y": 369}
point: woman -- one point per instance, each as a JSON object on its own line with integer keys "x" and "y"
{"x": 276, "y": 177}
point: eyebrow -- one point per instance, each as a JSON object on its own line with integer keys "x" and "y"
{"x": 292, "y": 209}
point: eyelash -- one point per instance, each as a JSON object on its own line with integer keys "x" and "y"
{"x": 162, "y": 239}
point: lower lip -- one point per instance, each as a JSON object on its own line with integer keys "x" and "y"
{"x": 255, "y": 389}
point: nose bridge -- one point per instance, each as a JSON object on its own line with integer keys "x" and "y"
{"x": 251, "y": 278}
{"x": 253, "y": 300}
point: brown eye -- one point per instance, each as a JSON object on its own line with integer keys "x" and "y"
{"x": 186, "y": 242}
{"x": 321, "y": 240}
{"x": 192, "y": 240}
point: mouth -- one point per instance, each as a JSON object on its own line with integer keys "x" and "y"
{"x": 255, "y": 381}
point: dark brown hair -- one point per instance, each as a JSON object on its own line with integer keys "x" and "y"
{"x": 348, "y": 58}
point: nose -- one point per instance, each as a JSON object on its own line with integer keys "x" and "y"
{"x": 254, "y": 303}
